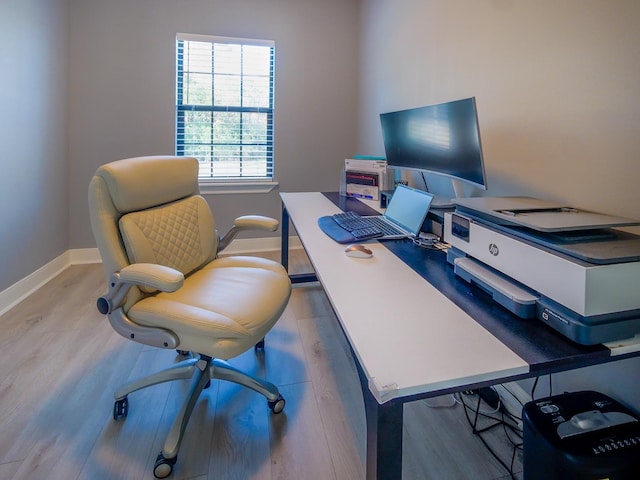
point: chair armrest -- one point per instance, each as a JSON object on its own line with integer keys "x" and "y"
{"x": 256, "y": 222}
{"x": 248, "y": 222}
{"x": 157, "y": 277}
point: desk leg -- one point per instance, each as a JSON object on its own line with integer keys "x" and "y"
{"x": 384, "y": 435}
{"x": 284, "y": 252}
{"x": 284, "y": 239}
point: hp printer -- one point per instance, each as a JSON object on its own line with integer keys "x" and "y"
{"x": 569, "y": 268}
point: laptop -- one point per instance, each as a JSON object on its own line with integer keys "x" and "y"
{"x": 403, "y": 218}
{"x": 407, "y": 210}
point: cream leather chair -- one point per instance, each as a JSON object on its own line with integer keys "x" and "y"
{"x": 168, "y": 288}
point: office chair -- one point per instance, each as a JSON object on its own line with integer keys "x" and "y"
{"x": 168, "y": 288}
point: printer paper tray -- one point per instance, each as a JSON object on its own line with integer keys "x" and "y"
{"x": 516, "y": 298}
{"x": 525, "y": 303}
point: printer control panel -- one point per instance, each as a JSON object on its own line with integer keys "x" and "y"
{"x": 460, "y": 227}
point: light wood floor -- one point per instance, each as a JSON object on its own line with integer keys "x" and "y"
{"x": 60, "y": 362}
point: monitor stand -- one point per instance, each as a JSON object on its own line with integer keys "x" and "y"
{"x": 442, "y": 202}
{"x": 446, "y": 202}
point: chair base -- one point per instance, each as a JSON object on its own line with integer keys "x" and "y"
{"x": 201, "y": 370}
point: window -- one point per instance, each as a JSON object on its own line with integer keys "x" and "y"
{"x": 224, "y": 106}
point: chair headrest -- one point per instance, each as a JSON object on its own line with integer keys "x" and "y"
{"x": 143, "y": 182}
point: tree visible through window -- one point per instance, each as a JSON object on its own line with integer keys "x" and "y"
{"x": 224, "y": 106}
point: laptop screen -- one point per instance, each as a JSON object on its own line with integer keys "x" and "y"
{"x": 408, "y": 208}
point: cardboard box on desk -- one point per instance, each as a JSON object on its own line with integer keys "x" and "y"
{"x": 365, "y": 178}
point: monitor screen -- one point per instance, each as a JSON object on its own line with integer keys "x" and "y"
{"x": 442, "y": 139}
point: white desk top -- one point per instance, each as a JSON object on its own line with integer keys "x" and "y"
{"x": 408, "y": 337}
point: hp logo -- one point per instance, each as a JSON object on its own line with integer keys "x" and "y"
{"x": 493, "y": 249}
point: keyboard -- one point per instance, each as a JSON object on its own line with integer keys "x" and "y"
{"x": 363, "y": 228}
{"x": 356, "y": 226}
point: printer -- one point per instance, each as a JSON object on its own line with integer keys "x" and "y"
{"x": 570, "y": 268}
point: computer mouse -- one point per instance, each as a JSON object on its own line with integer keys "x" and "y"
{"x": 358, "y": 250}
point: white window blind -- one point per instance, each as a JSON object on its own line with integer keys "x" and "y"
{"x": 224, "y": 106}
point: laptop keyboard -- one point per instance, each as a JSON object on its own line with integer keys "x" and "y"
{"x": 384, "y": 226}
{"x": 363, "y": 228}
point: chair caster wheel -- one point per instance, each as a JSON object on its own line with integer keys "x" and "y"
{"x": 120, "y": 408}
{"x": 277, "y": 406}
{"x": 164, "y": 466}
{"x": 259, "y": 347}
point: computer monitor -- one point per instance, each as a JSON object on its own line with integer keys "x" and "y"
{"x": 443, "y": 139}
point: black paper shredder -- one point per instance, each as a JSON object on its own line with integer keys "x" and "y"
{"x": 580, "y": 436}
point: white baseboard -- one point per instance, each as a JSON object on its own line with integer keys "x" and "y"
{"x": 17, "y": 292}
{"x": 20, "y": 290}
{"x": 81, "y": 256}
{"x": 267, "y": 244}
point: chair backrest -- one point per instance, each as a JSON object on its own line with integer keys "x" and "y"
{"x": 148, "y": 210}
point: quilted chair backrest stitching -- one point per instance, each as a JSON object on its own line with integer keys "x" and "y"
{"x": 179, "y": 235}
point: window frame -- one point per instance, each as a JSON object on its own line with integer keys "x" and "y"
{"x": 248, "y": 184}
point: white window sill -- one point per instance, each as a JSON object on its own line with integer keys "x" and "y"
{"x": 248, "y": 186}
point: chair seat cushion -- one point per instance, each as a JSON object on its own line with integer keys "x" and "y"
{"x": 240, "y": 297}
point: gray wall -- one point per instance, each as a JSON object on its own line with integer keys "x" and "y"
{"x": 556, "y": 82}
{"x": 122, "y": 89}
{"x": 558, "y": 93}
{"x": 34, "y": 214}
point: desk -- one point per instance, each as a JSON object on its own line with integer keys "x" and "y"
{"x": 415, "y": 330}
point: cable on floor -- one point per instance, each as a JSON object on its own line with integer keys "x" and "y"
{"x": 504, "y": 421}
